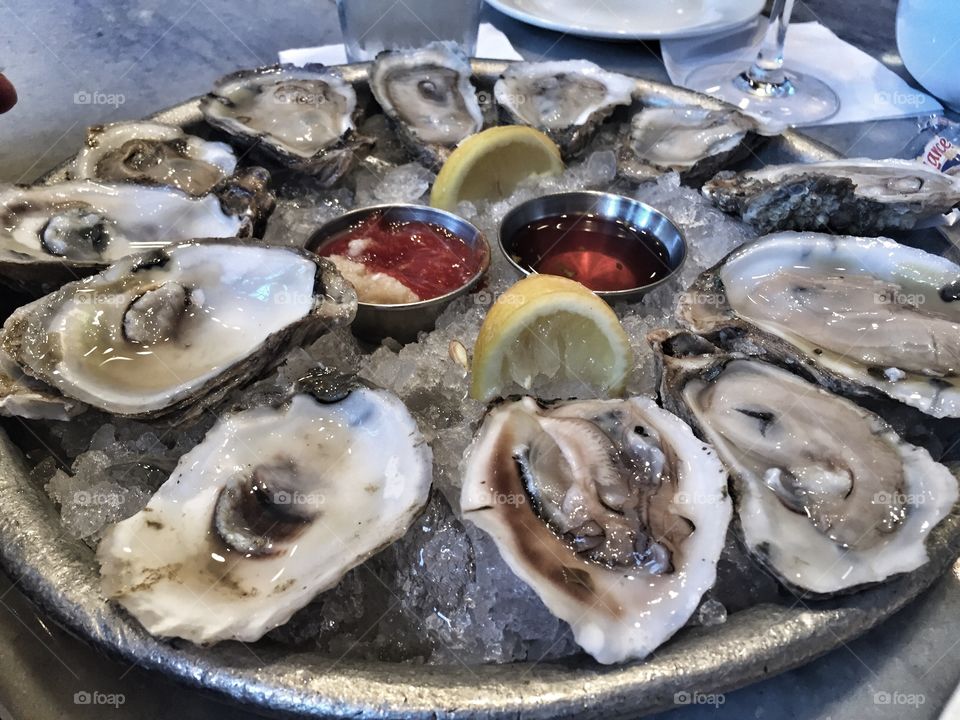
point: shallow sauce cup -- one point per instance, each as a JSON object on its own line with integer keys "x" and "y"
{"x": 646, "y": 224}
{"x": 403, "y": 321}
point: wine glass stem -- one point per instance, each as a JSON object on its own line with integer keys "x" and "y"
{"x": 767, "y": 69}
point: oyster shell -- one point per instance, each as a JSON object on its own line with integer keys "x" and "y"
{"x": 855, "y": 196}
{"x": 214, "y": 555}
{"x": 691, "y": 140}
{"x": 50, "y": 234}
{"x": 866, "y": 316}
{"x": 24, "y": 397}
{"x": 169, "y": 333}
{"x": 828, "y": 495}
{"x": 594, "y": 505}
{"x": 151, "y": 153}
{"x": 428, "y": 94}
{"x": 567, "y": 99}
{"x": 302, "y": 117}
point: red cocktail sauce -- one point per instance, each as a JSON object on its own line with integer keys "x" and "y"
{"x": 425, "y": 257}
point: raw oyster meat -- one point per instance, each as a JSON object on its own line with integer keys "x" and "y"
{"x": 169, "y": 333}
{"x": 270, "y": 509}
{"x": 691, "y": 140}
{"x": 612, "y": 511}
{"x": 303, "y": 117}
{"x": 151, "y": 153}
{"x": 865, "y": 315}
{"x": 828, "y": 495}
{"x": 855, "y": 196}
{"x": 567, "y": 99}
{"x": 429, "y": 96}
{"x": 50, "y": 234}
{"x": 24, "y": 397}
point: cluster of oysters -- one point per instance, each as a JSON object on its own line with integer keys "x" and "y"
{"x": 160, "y": 301}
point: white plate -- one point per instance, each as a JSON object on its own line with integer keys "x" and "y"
{"x": 632, "y": 19}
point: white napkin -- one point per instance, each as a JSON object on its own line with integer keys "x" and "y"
{"x": 491, "y": 44}
{"x": 867, "y": 90}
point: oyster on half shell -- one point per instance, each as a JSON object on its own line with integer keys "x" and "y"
{"x": 866, "y": 316}
{"x": 169, "y": 333}
{"x": 567, "y": 99}
{"x": 429, "y": 96}
{"x": 691, "y": 140}
{"x": 855, "y": 196}
{"x": 151, "y": 153}
{"x": 828, "y": 495}
{"x": 304, "y": 118}
{"x": 50, "y": 234}
{"x": 611, "y": 510}
{"x": 270, "y": 509}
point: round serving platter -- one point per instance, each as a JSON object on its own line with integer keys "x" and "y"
{"x": 60, "y": 574}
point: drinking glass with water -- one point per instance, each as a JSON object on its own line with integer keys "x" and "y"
{"x": 370, "y": 26}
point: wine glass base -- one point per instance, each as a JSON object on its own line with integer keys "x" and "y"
{"x": 799, "y": 100}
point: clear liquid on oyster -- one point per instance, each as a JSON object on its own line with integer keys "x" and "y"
{"x": 691, "y": 140}
{"x": 270, "y": 509}
{"x": 169, "y": 333}
{"x": 566, "y": 99}
{"x": 303, "y": 117}
{"x": 868, "y": 315}
{"x": 428, "y": 94}
{"x": 152, "y": 153}
{"x": 612, "y": 511}
{"x": 50, "y": 234}
{"x": 827, "y": 494}
{"x": 855, "y": 196}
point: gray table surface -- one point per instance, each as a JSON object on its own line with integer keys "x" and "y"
{"x": 152, "y": 54}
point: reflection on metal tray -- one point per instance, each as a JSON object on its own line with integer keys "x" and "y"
{"x": 60, "y": 574}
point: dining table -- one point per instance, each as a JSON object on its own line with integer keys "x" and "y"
{"x": 135, "y": 58}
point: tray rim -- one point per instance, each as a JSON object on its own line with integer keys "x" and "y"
{"x": 753, "y": 644}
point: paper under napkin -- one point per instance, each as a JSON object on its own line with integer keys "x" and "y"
{"x": 867, "y": 90}
{"x": 491, "y": 44}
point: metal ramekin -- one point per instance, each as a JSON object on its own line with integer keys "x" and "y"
{"x": 606, "y": 205}
{"x": 403, "y": 322}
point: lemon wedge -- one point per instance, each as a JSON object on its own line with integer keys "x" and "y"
{"x": 490, "y": 164}
{"x": 550, "y": 329}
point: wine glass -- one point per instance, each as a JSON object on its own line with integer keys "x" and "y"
{"x": 765, "y": 88}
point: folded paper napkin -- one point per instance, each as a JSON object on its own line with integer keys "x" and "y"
{"x": 491, "y": 44}
{"x": 867, "y": 90}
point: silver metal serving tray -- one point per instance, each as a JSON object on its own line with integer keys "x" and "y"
{"x": 60, "y": 574}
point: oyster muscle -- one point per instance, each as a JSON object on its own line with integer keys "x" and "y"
{"x": 855, "y": 196}
{"x": 865, "y": 315}
{"x": 828, "y": 495}
{"x": 302, "y": 117}
{"x": 612, "y": 511}
{"x": 169, "y": 333}
{"x": 566, "y": 99}
{"x": 152, "y": 153}
{"x": 270, "y": 509}
{"x": 428, "y": 94}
